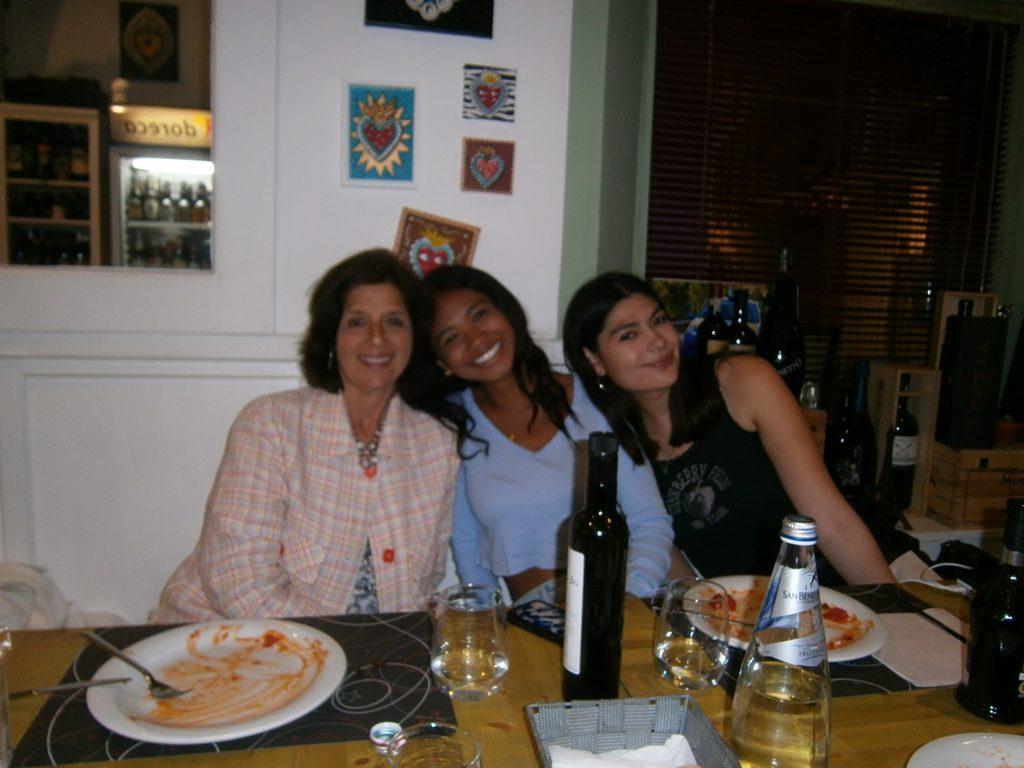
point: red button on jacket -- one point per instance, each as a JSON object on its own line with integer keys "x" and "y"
{"x": 388, "y": 556}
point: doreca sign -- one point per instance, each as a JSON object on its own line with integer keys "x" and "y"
{"x": 161, "y": 126}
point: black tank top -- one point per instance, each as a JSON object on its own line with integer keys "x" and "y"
{"x": 727, "y": 503}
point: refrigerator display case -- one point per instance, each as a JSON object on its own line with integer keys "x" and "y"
{"x": 161, "y": 194}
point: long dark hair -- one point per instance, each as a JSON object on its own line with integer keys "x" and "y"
{"x": 694, "y": 401}
{"x": 530, "y": 365}
{"x": 419, "y": 384}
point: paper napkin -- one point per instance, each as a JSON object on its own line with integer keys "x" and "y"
{"x": 674, "y": 753}
{"x": 918, "y": 651}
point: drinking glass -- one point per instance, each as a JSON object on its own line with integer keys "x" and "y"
{"x": 433, "y": 745}
{"x": 691, "y": 645}
{"x": 469, "y": 658}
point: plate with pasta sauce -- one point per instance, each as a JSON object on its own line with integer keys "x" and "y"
{"x": 243, "y": 677}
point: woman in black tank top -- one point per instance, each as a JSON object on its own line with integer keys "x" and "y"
{"x": 730, "y": 447}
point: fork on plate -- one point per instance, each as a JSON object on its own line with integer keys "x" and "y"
{"x": 157, "y": 689}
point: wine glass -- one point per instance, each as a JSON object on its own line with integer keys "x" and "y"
{"x": 691, "y": 646}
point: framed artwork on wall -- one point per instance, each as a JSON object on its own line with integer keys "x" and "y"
{"x": 488, "y": 93}
{"x": 456, "y": 17}
{"x": 426, "y": 241}
{"x": 149, "y": 41}
{"x": 487, "y": 165}
{"x": 379, "y": 134}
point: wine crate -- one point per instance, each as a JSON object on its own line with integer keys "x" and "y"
{"x": 922, "y": 396}
{"x": 968, "y": 487}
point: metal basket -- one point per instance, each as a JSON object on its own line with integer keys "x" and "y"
{"x": 606, "y": 724}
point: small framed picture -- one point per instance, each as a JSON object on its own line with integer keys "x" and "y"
{"x": 426, "y": 241}
{"x": 488, "y": 93}
{"x": 149, "y": 41}
{"x": 455, "y": 17}
{"x": 487, "y": 165}
{"x": 379, "y": 135}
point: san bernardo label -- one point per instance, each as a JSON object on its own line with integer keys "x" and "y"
{"x": 796, "y": 592}
{"x": 573, "y": 612}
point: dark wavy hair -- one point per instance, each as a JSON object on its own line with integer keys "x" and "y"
{"x": 695, "y": 401}
{"x": 530, "y": 365}
{"x": 419, "y": 385}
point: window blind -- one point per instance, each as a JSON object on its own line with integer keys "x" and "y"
{"x": 869, "y": 141}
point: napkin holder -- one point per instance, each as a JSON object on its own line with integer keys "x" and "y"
{"x": 606, "y": 724}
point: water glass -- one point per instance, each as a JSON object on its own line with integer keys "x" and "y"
{"x": 691, "y": 644}
{"x": 468, "y": 657}
{"x": 433, "y": 745}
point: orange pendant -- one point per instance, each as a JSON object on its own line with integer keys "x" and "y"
{"x": 371, "y": 471}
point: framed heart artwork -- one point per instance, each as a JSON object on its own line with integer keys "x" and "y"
{"x": 426, "y": 242}
{"x": 488, "y": 93}
{"x": 487, "y": 165}
{"x": 379, "y": 135}
{"x": 149, "y": 41}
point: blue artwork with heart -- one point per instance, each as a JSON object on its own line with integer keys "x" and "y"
{"x": 380, "y": 132}
{"x": 488, "y": 93}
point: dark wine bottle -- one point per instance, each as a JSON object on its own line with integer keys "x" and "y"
{"x": 844, "y": 450}
{"x": 995, "y": 652}
{"x": 869, "y": 460}
{"x": 781, "y": 343}
{"x": 742, "y": 338}
{"x": 596, "y": 581}
{"x": 717, "y": 335}
{"x": 904, "y": 453}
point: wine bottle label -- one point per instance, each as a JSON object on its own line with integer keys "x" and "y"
{"x": 904, "y": 451}
{"x": 573, "y": 611}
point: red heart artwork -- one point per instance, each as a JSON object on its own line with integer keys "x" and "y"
{"x": 489, "y": 95}
{"x": 380, "y": 137}
{"x": 489, "y": 167}
{"x": 430, "y": 257}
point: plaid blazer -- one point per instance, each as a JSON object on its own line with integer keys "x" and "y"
{"x": 291, "y": 511}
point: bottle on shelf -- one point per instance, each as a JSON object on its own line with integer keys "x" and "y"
{"x": 742, "y": 338}
{"x": 781, "y": 342}
{"x": 136, "y": 198}
{"x": 714, "y": 333}
{"x": 167, "y": 204}
{"x": 183, "y": 211}
{"x": 781, "y": 708}
{"x": 904, "y": 451}
{"x": 993, "y": 687}
{"x": 151, "y": 200}
{"x": 79, "y": 153}
{"x": 201, "y": 205}
{"x": 596, "y": 581}
{"x": 62, "y": 152}
{"x": 44, "y": 151}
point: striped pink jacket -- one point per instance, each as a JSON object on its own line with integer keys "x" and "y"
{"x": 291, "y": 511}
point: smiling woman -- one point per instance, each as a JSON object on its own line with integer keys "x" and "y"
{"x": 518, "y": 443}
{"x": 337, "y": 497}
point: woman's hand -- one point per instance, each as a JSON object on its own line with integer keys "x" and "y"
{"x": 759, "y": 401}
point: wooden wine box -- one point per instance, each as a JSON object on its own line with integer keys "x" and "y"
{"x": 922, "y": 395}
{"x": 968, "y": 487}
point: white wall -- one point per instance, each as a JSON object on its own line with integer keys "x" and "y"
{"x": 117, "y": 385}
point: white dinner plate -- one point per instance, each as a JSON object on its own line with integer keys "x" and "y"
{"x": 864, "y": 646}
{"x": 245, "y": 676}
{"x": 971, "y": 750}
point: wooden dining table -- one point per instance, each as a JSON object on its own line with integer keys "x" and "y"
{"x": 874, "y": 730}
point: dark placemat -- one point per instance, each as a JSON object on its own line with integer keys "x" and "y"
{"x": 860, "y": 676}
{"x": 387, "y": 679}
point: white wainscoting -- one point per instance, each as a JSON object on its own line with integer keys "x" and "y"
{"x": 105, "y": 465}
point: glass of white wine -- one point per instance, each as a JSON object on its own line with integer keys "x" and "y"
{"x": 691, "y": 644}
{"x": 468, "y": 655}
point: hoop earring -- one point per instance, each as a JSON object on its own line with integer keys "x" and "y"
{"x": 332, "y": 363}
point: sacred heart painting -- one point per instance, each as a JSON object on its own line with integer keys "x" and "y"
{"x": 427, "y": 242}
{"x": 487, "y": 165}
{"x": 488, "y": 93}
{"x": 149, "y": 41}
{"x": 380, "y": 130}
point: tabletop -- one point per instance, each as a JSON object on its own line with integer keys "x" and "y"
{"x": 880, "y": 730}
